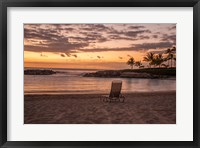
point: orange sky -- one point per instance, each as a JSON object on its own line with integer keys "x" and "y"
{"x": 93, "y": 46}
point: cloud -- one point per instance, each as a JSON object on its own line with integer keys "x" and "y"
{"x": 49, "y": 41}
{"x": 95, "y": 27}
{"x": 172, "y": 28}
{"x": 118, "y": 37}
{"x": 170, "y": 38}
{"x": 90, "y": 38}
{"x": 135, "y": 33}
{"x": 136, "y": 27}
{"x": 99, "y": 57}
{"x": 133, "y": 47}
{"x": 74, "y": 55}
{"x": 142, "y": 37}
{"x": 43, "y": 55}
{"x": 147, "y": 46}
{"x": 157, "y": 51}
{"x": 62, "y": 55}
{"x": 68, "y": 54}
{"x": 69, "y": 39}
{"x": 155, "y": 36}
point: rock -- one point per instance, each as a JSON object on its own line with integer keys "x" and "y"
{"x": 135, "y": 75}
{"x": 118, "y": 74}
{"x": 105, "y": 74}
{"x": 39, "y": 72}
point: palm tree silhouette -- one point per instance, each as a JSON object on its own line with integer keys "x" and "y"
{"x": 138, "y": 63}
{"x": 158, "y": 60}
{"x": 170, "y": 52}
{"x": 149, "y": 58}
{"x": 174, "y": 58}
{"x": 131, "y": 62}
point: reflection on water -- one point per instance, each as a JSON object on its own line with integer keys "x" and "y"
{"x": 72, "y": 82}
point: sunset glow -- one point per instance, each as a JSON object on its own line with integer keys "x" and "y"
{"x": 93, "y": 46}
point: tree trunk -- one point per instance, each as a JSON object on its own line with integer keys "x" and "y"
{"x": 168, "y": 62}
{"x": 174, "y": 63}
{"x": 171, "y": 63}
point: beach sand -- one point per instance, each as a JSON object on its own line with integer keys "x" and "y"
{"x": 138, "y": 108}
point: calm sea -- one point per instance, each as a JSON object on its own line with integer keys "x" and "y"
{"x": 72, "y": 82}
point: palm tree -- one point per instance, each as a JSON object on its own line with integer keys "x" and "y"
{"x": 158, "y": 60}
{"x": 131, "y": 62}
{"x": 170, "y": 52}
{"x": 138, "y": 63}
{"x": 174, "y": 58}
{"x": 149, "y": 58}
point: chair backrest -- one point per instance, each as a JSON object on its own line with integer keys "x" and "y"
{"x": 115, "y": 88}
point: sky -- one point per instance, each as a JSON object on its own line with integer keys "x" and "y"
{"x": 94, "y": 46}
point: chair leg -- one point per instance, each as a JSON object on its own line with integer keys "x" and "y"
{"x": 123, "y": 99}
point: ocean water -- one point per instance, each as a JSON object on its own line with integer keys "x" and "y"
{"x": 72, "y": 82}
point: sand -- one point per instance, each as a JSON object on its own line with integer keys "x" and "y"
{"x": 138, "y": 108}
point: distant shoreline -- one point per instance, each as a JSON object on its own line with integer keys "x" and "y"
{"x": 150, "y": 73}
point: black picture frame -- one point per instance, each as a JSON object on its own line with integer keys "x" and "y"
{"x": 99, "y": 3}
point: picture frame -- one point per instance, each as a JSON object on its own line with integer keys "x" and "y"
{"x": 99, "y": 3}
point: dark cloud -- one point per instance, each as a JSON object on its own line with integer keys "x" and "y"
{"x": 136, "y": 27}
{"x": 43, "y": 55}
{"x": 106, "y": 49}
{"x": 158, "y": 51}
{"x": 92, "y": 37}
{"x": 172, "y": 28}
{"x": 50, "y": 41}
{"x": 135, "y": 33}
{"x": 99, "y": 57}
{"x": 68, "y": 54}
{"x": 95, "y": 27}
{"x": 167, "y": 37}
{"x": 118, "y": 37}
{"x": 142, "y": 37}
{"x": 55, "y": 47}
{"x": 147, "y": 46}
{"x": 134, "y": 47}
{"x": 62, "y": 55}
{"x": 74, "y": 55}
{"x": 155, "y": 36}
{"x": 128, "y": 33}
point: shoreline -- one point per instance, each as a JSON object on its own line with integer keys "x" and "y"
{"x": 139, "y": 108}
{"x": 128, "y": 93}
{"x": 146, "y": 73}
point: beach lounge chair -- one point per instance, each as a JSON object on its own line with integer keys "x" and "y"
{"x": 115, "y": 93}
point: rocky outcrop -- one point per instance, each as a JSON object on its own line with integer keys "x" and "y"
{"x": 39, "y": 72}
{"x": 120, "y": 74}
{"x": 135, "y": 75}
{"x": 104, "y": 74}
